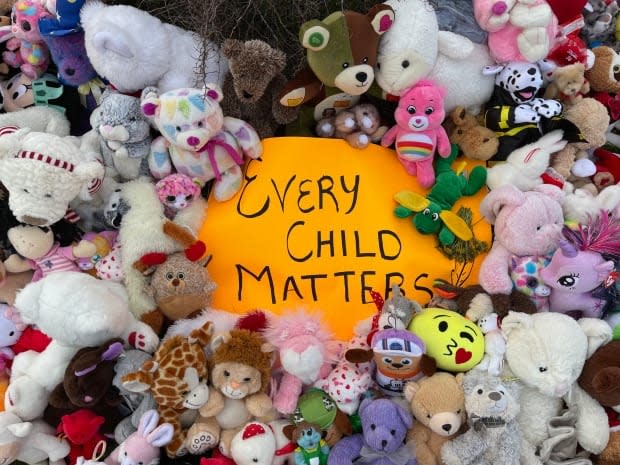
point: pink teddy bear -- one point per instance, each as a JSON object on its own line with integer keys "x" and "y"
{"x": 418, "y": 131}
{"x": 526, "y": 224}
{"x": 26, "y": 49}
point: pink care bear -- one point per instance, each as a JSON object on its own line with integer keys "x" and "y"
{"x": 526, "y": 224}
{"x": 418, "y": 131}
{"x": 27, "y": 50}
{"x": 519, "y": 30}
{"x": 578, "y": 267}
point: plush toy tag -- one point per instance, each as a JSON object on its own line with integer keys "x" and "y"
{"x": 313, "y": 226}
{"x": 612, "y": 278}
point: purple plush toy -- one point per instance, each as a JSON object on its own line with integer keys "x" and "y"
{"x": 384, "y": 429}
{"x": 578, "y": 267}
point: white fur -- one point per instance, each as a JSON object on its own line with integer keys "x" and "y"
{"x": 261, "y": 447}
{"x": 581, "y": 203}
{"x": 494, "y": 345}
{"x": 560, "y": 345}
{"x": 451, "y": 60}
{"x": 38, "y": 119}
{"x": 222, "y": 321}
{"x": 133, "y": 49}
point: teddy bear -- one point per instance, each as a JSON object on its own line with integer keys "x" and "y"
{"x": 415, "y": 48}
{"x": 568, "y": 84}
{"x": 384, "y": 426}
{"x": 523, "y": 30}
{"x": 493, "y": 436}
{"x": 601, "y": 379}
{"x": 132, "y": 49}
{"x": 240, "y": 374}
{"x": 473, "y": 139}
{"x": 44, "y": 172}
{"x": 341, "y": 53}
{"x": 525, "y": 224}
{"x": 604, "y": 82}
{"x": 252, "y": 96}
{"x": 438, "y": 406}
{"x": 359, "y": 126}
{"x": 197, "y": 140}
{"x": 546, "y": 353}
{"x": 125, "y": 133}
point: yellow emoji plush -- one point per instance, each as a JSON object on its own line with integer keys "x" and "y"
{"x": 456, "y": 343}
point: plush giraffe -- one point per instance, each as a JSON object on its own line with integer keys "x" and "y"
{"x": 176, "y": 376}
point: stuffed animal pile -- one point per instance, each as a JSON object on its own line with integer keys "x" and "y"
{"x": 115, "y": 133}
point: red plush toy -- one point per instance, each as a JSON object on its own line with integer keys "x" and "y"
{"x": 569, "y": 47}
{"x": 607, "y": 168}
{"x": 81, "y": 430}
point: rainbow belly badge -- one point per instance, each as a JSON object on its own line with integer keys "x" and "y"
{"x": 415, "y": 146}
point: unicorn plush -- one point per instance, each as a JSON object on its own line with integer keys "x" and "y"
{"x": 525, "y": 275}
{"x": 581, "y": 265}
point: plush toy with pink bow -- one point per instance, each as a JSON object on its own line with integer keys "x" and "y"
{"x": 581, "y": 264}
{"x": 306, "y": 351}
{"x": 418, "y": 132}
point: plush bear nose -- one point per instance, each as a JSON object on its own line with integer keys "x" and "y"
{"x": 69, "y": 71}
{"x": 175, "y": 282}
{"x": 361, "y": 77}
{"x": 246, "y": 94}
{"x": 499, "y": 8}
{"x": 447, "y": 427}
{"x": 383, "y": 443}
{"x": 495, "y": 396}
{"x": 193, "y": 141}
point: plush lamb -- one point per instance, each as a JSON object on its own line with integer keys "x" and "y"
{"x": 414, "y": 48}
{"x": 546, "y": 352}
{"x": 44, "y": 172}
{"x": 76, "y": 310}
{"x": 125, "y": 133}
{"x": 30, "y": 442}
{"x": 133, "y": 49}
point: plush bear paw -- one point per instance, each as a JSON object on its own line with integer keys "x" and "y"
{"x": 359, "y": 140}
{"x": 228, "y": 185}
{"x": 449, "y": 455}
{"x": 198, "y": 442}
{"x": 142, "y": 337}
{"x": 533, "y": 43}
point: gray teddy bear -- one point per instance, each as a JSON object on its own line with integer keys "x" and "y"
{"x": 125, "y": 134}
{"x": 493, "y": 436}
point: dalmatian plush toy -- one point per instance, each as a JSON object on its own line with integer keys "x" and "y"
{"x": 517, "y": 114}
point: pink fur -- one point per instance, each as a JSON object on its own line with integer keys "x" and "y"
{"x": 418, "y": 131}
{"x": 176, "y": 192}
{"x": 142, "y": 447}
{"x": 306, "y": 350}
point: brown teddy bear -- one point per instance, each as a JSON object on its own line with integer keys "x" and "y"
{"x": 252, "y": 85}
{"x": 359, "y": 126}
{"x": 568, "y": 84}
{"x": 438, "y": 405}
{"x": 474, "y": 140}
{"x": 592, "y": 119}
{"x": 604, "y": 79}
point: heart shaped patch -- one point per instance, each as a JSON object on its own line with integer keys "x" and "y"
{"x": 462, "y": 356}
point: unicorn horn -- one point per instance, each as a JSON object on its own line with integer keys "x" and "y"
{"x": 568, "y": 249}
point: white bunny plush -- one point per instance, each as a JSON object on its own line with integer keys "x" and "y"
{"x": 142, "y": 447}
{"x": 494, "y": 345}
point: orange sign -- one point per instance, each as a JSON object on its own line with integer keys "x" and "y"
{"x": 314, "y": 227}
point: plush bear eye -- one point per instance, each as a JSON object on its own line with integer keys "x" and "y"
{"x": 405, "y": 64}
{"x": 255, "y": 460}
{"x": 345, "y": 65}
{"x": 247, "y": 380}
{"x": 200, "y": 124}
{"x": 458, "y": 412}
{"x": 365, "y": 60}
{"x": 480, "y": 391}
{"x": 226, "y": 373}
{"x": 48, "y": 196}
{"x": 393, "y": 432}
{"x": 429, "y": 110}
{"x": 181, "y": 275}
{"x": 378, "y": 65}
{"x": 11, "y": 333}
{"x": 26, "y": 191}
{"x": 616, "y": 69}
{"x": 170, "y": 198}
{"x": 373, "y": 427}
{"x": 133, "y": 119}
{"x": 428, "y": 416}
{"x": 178, "y": 128}
{"x": 411, "y": 109}
{"x": 542, "y": 369}
{"x": 169, "y": 275}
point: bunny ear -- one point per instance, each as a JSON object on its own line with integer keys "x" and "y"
{"x": 161, "y": 436}
{"x": 148, "y": 422}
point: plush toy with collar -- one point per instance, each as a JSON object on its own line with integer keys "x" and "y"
{"x": 432, "y": 214}
{"x": 603, "y": 81}
{"x": 30, "y": 442}
{"x": 384, "y": 429}
{"x": 473, "y": 139}
{"x": 546, "y": 352}
{"x": 568, "y": 83}
{"x": 580, "y": 266}
{"x": 359, "y": 126}
{"x": 197, "y": 140}
{"x": 125, "y": 133}
{"x": 252, "y": 96}
{"x": 341, "y": 54}
{"x": 39, "y": 251}
{"x": 306, "y": 351}
{"x": 177, "y": 378}
{"x": 240, "y": 373}
{"x": 493, "y": 437}
{"x": 414, "y": 48}
{"x": 515, "y": 111}
{"x": 144, "y": 445}
{"x": 27, "y": 50}
{"x": 132, "y": 49}
{"x": 525, "y": 166}
{"x": 44, "y": 172}
{"x": 526, "y": 224}
{"x": 438, "y": 406}
{"x": 418, "y": 132}
{"x": 81, "y": 429}
{"x": 93, "y": 311}
{"x": 521, "y": 30}
{"x": 600, "y": 378}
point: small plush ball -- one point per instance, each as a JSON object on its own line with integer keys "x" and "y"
{"x": 456, "y": 343}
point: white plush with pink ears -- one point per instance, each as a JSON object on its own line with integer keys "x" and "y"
{"x": 142, "y": 447}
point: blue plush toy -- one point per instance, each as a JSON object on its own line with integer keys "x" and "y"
{"x": 384, "y": 429}
{"x": 312, "y": 448}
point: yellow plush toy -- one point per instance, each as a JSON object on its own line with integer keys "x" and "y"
{"x": 456, "y": 343}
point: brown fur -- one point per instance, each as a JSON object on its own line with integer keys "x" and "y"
{"x": 474, "y": 140}
{"x": 601, "y": 76}
{"x": 568, "y": 84}
{"x": 252, "y": 85}
{"x": 349, "y": 125}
